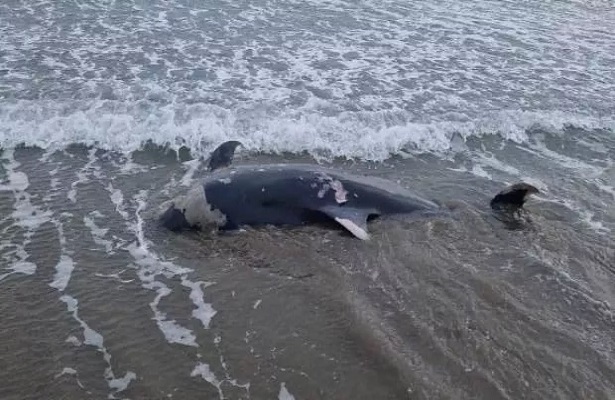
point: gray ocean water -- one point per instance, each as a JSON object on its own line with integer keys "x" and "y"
{"x": 107, "y": 106}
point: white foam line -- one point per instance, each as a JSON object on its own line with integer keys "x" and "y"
{"x": 150, "y": 267}
{"x": 117, "y": 198}
{"x": 82, "y": 175}
{"x": 115, "y": 276}
{"x": 172, "y": 331}
{"x": 70, "y": 371}
{"x": 482, "y": 160}
{"x": 72, "y": 339}
{"x": 203, "y": 370}
{"x": 204, "y": 311}
{"x": 605, "y": 188}
{"x": 64, "y": 270}
{"x": 95, "y": 339}
{"x": 284, "y": 393}
{"x": 558, "y": 263}
{"x": 188, "y": 178}
{"x": 229, "y": 379}
{"x": 98, "y": 234}
{"x": 597, "y": 226}
{"x": 54, "y": 183}
{"x": 584, "y": 215}
{"x": 588, "y": 170}
{"x": 141, "y": 204}
{"x": 499, "y": 165}
{"x": 45, "y": 158}
{"x": 130, "y": 167}
{"x": 65, "y": 266}
{"x": 67, "y": 371}
{"x": 480, "y": 172}
{"x": 20, "y": 267}
{"x": 25, "y": 215}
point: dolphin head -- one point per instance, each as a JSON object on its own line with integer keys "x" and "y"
{"x": 191, "y": 211}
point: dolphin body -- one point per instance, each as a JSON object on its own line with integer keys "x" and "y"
{"x": 292, "y": 195}
{"x": 299, "y": 194}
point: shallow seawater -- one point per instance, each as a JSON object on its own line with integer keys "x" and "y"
{"x": 107, "y": 107}
{"x": 98, "y": 300}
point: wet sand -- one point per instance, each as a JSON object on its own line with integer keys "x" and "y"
{"x": 460, "y": 307}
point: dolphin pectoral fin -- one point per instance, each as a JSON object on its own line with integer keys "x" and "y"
{"x": 353, "y": 219}
{"x": 354, "y": 228}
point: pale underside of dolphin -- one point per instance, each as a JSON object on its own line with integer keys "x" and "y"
{"x": 299, "y": 194}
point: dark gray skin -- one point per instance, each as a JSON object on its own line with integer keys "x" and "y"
{"x": 294, "y": 194}
{"x": 223, "y": 155}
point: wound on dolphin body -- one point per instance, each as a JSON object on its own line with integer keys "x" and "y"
{"x": 329, "y": 183}
{"x": 191, "y": 211}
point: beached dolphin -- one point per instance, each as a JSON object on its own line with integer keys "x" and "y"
{"x": 298, "y": 194}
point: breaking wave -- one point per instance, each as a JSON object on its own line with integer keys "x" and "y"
{"x": 365, "y": 135}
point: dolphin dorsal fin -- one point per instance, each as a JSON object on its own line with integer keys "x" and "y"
{"x": 353, "y": 219}
{"x": 223, "y": 155}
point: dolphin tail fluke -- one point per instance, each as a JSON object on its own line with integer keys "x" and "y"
{"x": 223, "y": 155}
{"x": 514, "y": 196}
